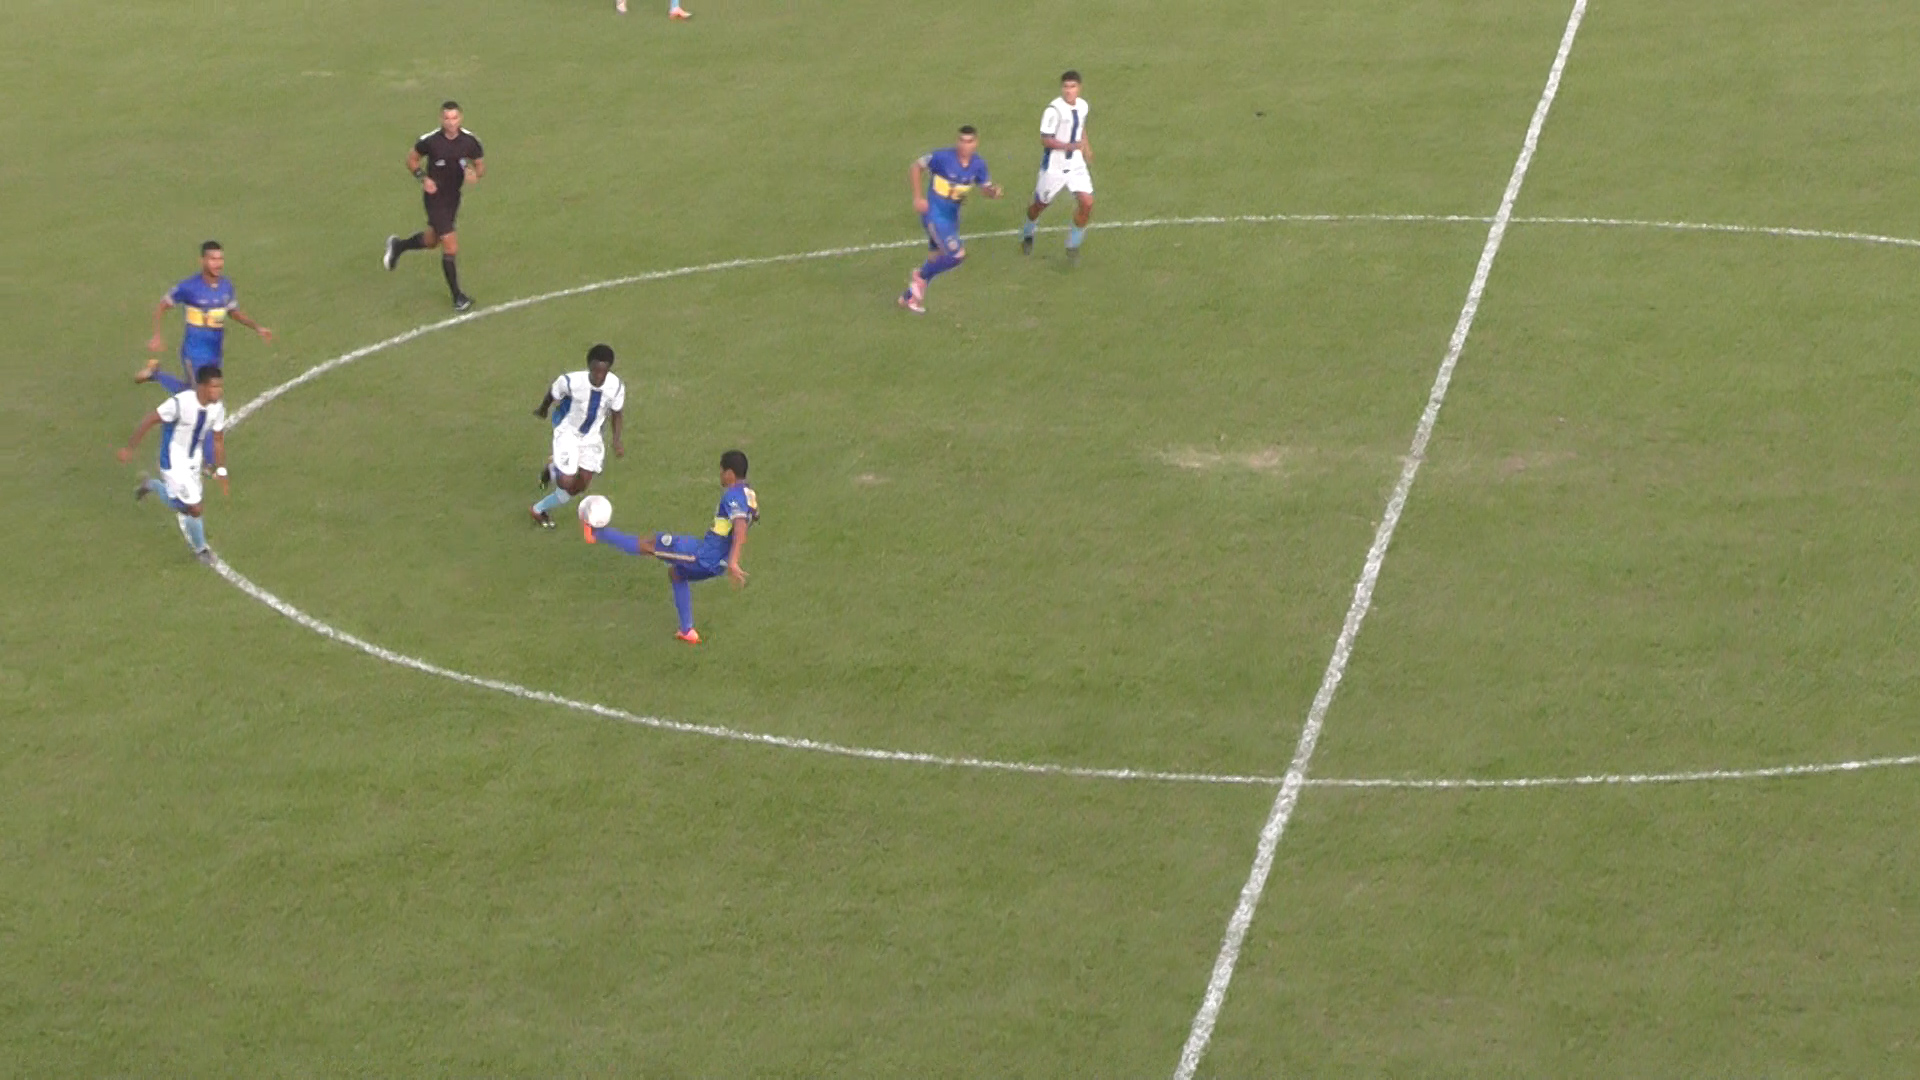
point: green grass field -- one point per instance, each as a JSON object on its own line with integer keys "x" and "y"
{"x": 1106, "y": 516}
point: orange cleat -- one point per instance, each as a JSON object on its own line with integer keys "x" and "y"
{"x": 691, "y": 637}
{"x": 586, "y": 531}
{"x": 679, "y": 13}
{"x": 146, "y": 373}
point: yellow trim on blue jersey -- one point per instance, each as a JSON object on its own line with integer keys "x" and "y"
{"x": 947, "y": 189}
{"x": 211, "y": 318}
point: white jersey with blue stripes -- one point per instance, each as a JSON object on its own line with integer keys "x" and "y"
{"x": 184, "y": 424}
{"x": 583, "y": 407}
{"x": 1066, "y": 123}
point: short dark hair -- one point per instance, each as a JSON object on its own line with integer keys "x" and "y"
{"x": 967, "y": 129}
{"x": 1070, "y": 76}
{"x": 211, "y": 371}
{"x": 211, "y": 245}
{"x": 735, "y": 462}
{"x": 449, "y": 104}
{"x": 600, "y": 354}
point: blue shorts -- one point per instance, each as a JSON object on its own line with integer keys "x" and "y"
{"x": 192, "y": 365}
{"x": 942, "y": 234}
{"x": 689, "y": 555}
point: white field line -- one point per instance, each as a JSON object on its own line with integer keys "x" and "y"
{"x": 378, "y": 652}
{"x": 1291, "y": 785}
{"x": 1627, "y": 779}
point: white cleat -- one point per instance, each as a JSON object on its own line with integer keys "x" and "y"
{"x": 392, "y": 257}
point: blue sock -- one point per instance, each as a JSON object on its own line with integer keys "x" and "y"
{"x": 196, "y": 532}
{"x": 555, "y": 498}
{"x": 1075, "y": 235}
{"x": 683, "y": 602}
{"x": 173, "y": 385}
{"x": 154, "y": 485}
{"x": 1027, "y": 230}
{"x": 625, "y": 541}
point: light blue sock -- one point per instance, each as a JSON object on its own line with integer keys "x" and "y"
{"x": 1027, "y": 230}
{"x": 683, "y": 602}
{"x": 171, "y": 384}
{"x": 556, "y": 498}
{"x": 196, "y": 531}
{"x": 1075, "y": 235}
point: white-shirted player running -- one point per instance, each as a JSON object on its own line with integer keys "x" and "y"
{"x": 185, "y": 419}
{"x": 1063, "y": 164}
{"x": 587, "y": 399}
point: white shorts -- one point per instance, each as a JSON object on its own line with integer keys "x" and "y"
{"x": 571, "y": 453}
{"x": 183, "y": 485}
{"x": 1074, "y": 178}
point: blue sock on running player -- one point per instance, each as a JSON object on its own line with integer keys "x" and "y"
{"x": 1075, "y": 235}
{"x": 196, "y": 531}
{"x": 171, "y": 383}
{"x": 556, "y": 498}
{"x": 1027, "y": 230}
{"x": 683, "y": 602}
{"x": 625, "y": 541}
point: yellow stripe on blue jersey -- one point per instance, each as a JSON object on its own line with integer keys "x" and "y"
{"x": 214, "y": 318}
{"x": 947, "y": 189}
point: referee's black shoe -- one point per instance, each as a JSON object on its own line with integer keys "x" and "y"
{"x": 462, "y": 302}
{"x": 392, "y": 258}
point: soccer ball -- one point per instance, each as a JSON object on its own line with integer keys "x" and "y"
{"x": 596, "y": 510}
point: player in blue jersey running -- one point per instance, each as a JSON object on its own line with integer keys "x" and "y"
{"x": 941, "y": 181}
{"x": 209, "y": 300}
{"x": 691, "y": 559}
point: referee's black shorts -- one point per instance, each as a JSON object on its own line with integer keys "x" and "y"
{"x": 442, "y": 210}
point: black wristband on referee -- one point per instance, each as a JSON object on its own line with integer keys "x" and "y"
{"x": 420, "y": 173}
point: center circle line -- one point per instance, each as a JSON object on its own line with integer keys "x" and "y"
{"x": 784, "y": 742}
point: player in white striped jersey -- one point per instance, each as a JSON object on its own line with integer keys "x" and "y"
{"x": 587, "y": 400}
{"x": 185, "y": 419}
{"x": 1064, "y": 158}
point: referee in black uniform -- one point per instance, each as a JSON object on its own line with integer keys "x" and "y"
{"x": 444, "y": 160}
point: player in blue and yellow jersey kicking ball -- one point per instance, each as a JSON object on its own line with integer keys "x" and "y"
{"x": 941, "y": 181}
{"x": 690, "y": 559}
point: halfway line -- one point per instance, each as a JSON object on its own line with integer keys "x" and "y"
{"x": 1296, "y": 777}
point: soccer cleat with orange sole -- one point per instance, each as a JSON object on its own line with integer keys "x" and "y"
{"x": 691, "y": 637}
{"x": 586, "y": 533}
{"x": 679, "y": 13}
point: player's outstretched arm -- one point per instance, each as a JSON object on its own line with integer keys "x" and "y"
{"x": 156, "y": 343}
{"x": 245, "y": 320}
{"x": 220, "y": 462}
{"x": 734, "y": 569}
{"x": 545, "y": 404}
{"x": 125, "y": 454}
{"x": 917, "y": 180}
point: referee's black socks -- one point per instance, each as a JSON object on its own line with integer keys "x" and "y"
{"x": 453, "y": 274}
{"x": 411, "y": 243}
